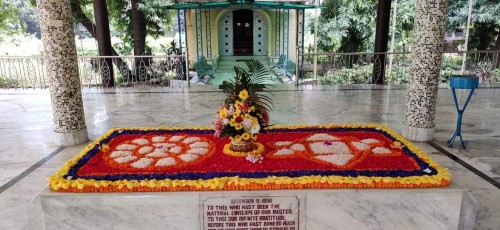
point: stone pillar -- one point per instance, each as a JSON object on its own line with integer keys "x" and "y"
{"x": 62, "y": 69}
{"x": 428, "y": 36}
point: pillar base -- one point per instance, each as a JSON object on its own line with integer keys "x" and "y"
{"x": 417, "y": 134}
{"x": 72, "y": 138}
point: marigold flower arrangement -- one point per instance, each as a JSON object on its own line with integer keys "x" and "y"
{"x": 245, "y": 111}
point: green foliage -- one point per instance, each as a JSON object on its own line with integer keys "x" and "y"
{"x": 8, "y": 83}
{"x": 9, "y": 21}
{"x": 495, "y": 75}
{"x": 404, "y": 24}
{"x": 349, "y": 25}
{"x": 346, "y": 25}
{"x": 158, "y": 22}
{"x": 358, "y": 74}
{"x": 485, "y": 21}
{"x": 253, "y": 80}
{"x": 245, "y": 100}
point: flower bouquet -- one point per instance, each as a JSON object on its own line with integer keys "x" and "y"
{"x": 245, "y": 111}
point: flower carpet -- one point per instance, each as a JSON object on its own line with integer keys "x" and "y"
{"x": 293, "y": 157}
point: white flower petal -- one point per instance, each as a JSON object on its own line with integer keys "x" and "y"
{"x": 283, "y": 152}
{"x": 336, "y": 159}
{"x": 322, "y": 137}
{"x": 166, "y": 161}
{"x": 126, "y": 147}
{"x": 381, "y": 150}
{"x": 175, "y": 138}
{"x": 157, "y": 154}
{"x": 298, "y": 147}
{"x": 120, "y": 154}
{"x": 158, "y": 139}
{"x": 330, "y": 148}
{"x": 283, "y": 143}
{"x": 360, "y": 146}
{"x": 164, "y": 145}
{"x": 146, "y": 149}
{"x": 142, "y": 163}
{"x": 188, "y": 157}
{"x": 176, "y": 149}
{"x": 199, "y": 151}
{"x": 370, "y": 141}
{"x": 125, "y": 159}
{"x": 141, "y": 141}
{"x": 199, "y": 145}
{"x": 255, "y": 129}
{"x": 191, "y": 140}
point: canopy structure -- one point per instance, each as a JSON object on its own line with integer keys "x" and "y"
{"x": 284, "y": 42}
{"x": 236, "y": 4}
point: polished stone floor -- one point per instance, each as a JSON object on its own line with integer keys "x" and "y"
{"x": 28, "y": 154}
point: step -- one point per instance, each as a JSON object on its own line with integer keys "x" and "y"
{"x": 301, "y": 209}
{"x": 235, "y": 58}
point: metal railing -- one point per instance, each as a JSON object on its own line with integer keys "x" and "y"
{"x": 170, "y": 71}
{"x": 357, "y": 68}
{"x": 99, "y": 71}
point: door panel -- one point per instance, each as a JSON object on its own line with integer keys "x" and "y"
{"x": 226, "y": 35}
{"x": 259, "y": 34}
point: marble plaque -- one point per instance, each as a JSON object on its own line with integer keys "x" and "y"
{"x": 251, "y": 213}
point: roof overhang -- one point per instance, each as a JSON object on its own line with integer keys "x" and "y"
{"x": 238, "y": 4}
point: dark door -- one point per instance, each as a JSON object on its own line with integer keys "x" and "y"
{"x": 243, "y": 32}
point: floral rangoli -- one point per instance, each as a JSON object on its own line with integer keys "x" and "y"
{"x": 182, "y": 159}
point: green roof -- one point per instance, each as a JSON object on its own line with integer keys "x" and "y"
{"x": 237, "y": 4}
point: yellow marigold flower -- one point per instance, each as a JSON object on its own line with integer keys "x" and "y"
{"x": 238, "y": 103}
{"x": 397, "y": 145}
{"x": 246, "y": 136}
{"x": 243, "y": 94}
{"x": 255, "y": 121}
{"x": 104, "y": 148}
{"x": 236, "y": 113}
{"x": 223, "y": 113}
{"x": 232, "y": 123}
{"x": 237, "y": 138}
{"x": 238, "y": 126}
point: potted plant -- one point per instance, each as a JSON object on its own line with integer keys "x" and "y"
{"x": 245, "y": 111}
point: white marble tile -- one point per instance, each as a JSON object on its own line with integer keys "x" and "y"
{"x": 26, "y": 130}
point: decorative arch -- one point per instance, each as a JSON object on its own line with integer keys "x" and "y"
{"x": 224, "y": 20}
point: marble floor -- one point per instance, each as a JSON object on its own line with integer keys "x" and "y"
{"x": 28, "y": 154}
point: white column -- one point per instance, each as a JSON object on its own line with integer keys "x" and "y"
{"x": 428, "y": 36}
{"x": 62, "y": 68}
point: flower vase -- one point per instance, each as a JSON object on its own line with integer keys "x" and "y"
{"x": 241, "y": 146}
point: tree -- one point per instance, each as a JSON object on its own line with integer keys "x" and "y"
{"x": 8, "y": 18}
{"x": 27, "y": 17}
{"x": 104, "y": 39}
{"x": 349, "y": 25}
{"x": 404, "y": 24}
{"x": 134, "y": 20}
{"x": 80, "y": 16}
{"x": 485, "y": 22}
{"x": 138, "y": 28}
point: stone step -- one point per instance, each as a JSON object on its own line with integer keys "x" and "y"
{"x": 237, "y": 58}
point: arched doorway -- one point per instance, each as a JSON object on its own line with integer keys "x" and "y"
{"x": 242, "y": 32}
